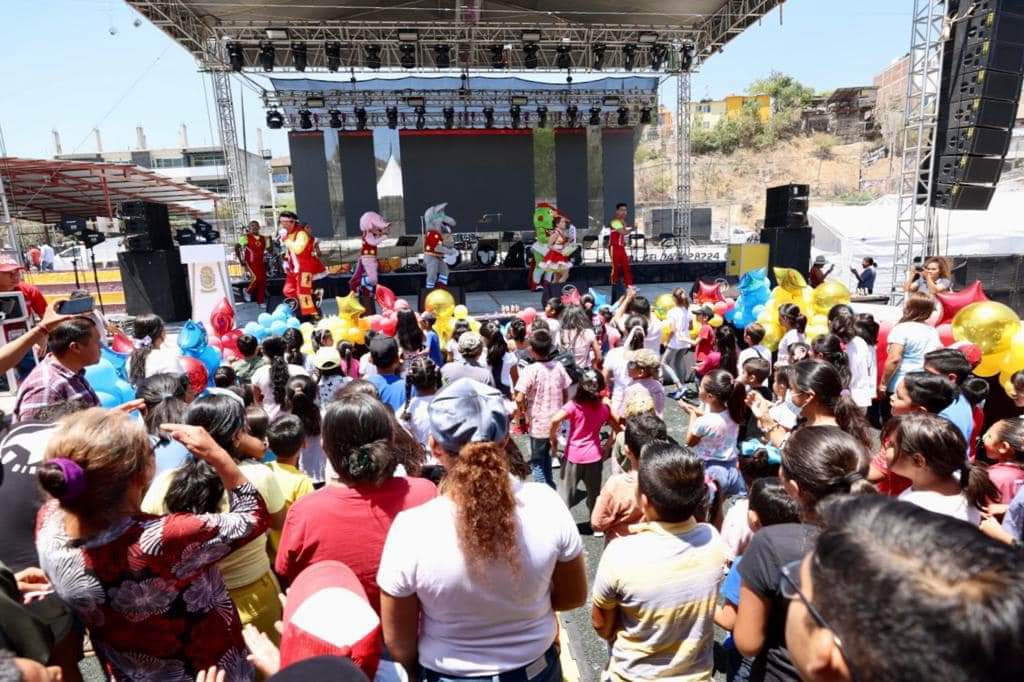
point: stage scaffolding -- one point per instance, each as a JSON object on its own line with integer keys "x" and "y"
{"x": 682, "y": 218}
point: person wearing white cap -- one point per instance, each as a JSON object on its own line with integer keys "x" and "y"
{"x": 486, "y": 564}
{"x": 471, "y": 347}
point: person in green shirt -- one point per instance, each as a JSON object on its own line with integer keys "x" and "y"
{"x": 252, "y": 358}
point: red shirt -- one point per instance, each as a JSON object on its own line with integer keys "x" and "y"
{"x": 705, "y": 342}
{"x": 34, "y": 298}
{"x": 893, "y": 484}
{"x": 339, "y": 523}
{"x": 432, "y": 241}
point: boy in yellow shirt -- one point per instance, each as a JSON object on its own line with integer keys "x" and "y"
{"x": 286, "y": 439}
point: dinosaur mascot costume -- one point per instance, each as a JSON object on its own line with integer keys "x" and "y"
{"x": 301, "y": 263}
{"x": 438, "y": 224}
{"x": 375, "y": 230}
{"x": 543, "y": 222}
{"x": 251, "y": 251}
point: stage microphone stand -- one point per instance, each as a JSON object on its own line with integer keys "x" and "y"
{"x": 74, "y": 266}
{"x": 96, "y": 280}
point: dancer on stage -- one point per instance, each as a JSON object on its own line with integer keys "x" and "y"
{"x": 555, "y": 265}
{"x": 435, "y": 247}
{"x": 251, "y": 252}
{"x": 375, "y": 229}
{"x": 617, "y": 247}
{"x": 543, "y": 222}
{"x": 301, "y": 262}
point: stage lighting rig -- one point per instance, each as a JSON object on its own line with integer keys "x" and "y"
{"x": 597, "y": 51}
{"x": 299, "y": 56}
{"x": 488, "y": 117}
{"x": 421, "y": 118}
{"x": 336, "y": 120}
{"x": 542, "y": 117}
{"x": 686, "y": 56}
{"x": 275, "y": 119}
{"x": 267, "y": 56}
{"x": 360, "y": 118}
{"x": 236, "y": 56}
{"x": 516, "y": 112}
{"x": 443, "y": 56}
{"x": 392, "y": 116}
{"x": 658, "y": 54}
{"x": 530, "y": 51}
{"x": 623, "y": 116}
{"x": 498, "y": 60}
{"x": 645, "y": 116}
{"x": 563, "y": 60}
{"x": 371, "y": 56}
{"x": 305, "y": 119}
{"x": 572, "y": 113}
{"x": 595, "y": 116}
{"x": 205, "y": 231}
{"x": 449, "y": 117}
{"x": 407, "y": 55}
{"x": 629, "y": 56}
{"x": 333, "y": 52}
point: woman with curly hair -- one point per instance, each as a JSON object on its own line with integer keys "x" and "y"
{"x": 487, "y": 564}
{"x": 270, "y": 381}
{"x": 348, "y": 519}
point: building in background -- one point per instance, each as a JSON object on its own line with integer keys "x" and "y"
{"x": 707, "y": 113}
{"x": 281, "y": 177}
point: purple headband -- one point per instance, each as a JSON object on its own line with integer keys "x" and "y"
{"x": 74, "y": 478}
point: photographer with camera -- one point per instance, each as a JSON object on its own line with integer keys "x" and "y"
{"x": 931, "y": 278}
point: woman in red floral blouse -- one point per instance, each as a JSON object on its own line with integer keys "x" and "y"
{"x": 146, "y": 586}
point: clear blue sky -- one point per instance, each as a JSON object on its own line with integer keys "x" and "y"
{"x": 64, "y": 69}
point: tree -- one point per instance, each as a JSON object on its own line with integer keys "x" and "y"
{"x": 786, "y": 92}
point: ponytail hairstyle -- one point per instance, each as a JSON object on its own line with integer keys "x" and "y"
{"x": 408, "y": 332}
{"x": 300, "y": 399}
{"x": 195, "y": 488}
{"x": 517, "y": 330}
{"x": 824, "y": 461}
{"x": 829, "y": 347}
{"x": 293, "y": 347}
{"x": 791, "y": 315}
{"x": 725, "y": 344}
{"x": 975, "y": 389}
{"x": 345, "y": 352}
{"x": 641, "y": 306}
{"x": 865, "y": 326}
{"x": 496, "y": 349}
{"x": 825, "y": 382}
{"x": 1011, "y": 432}
{"x": 274, "y": 349}
{"x": 932, "y": 392}
{"x": 841, "y": 322}
{"x": 358, "y": 434}
{"x": 148, "y": 329}
{"x": 164, "y": 396}
{"x": 942, "y": 447}
{"x": 590, "y": 386}
{"x": 634, "y": 332}
{"x": 481, "y": 489}
{"x": 732, "y": 394}
{"x": 425, "y": 377}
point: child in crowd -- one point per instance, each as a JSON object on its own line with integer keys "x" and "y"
{"x": 433, "y": 341}
{"x": 269, "y": 381}
{"x": 616, "y": 363}
{"x": 224, "y": 377}
{"x": 705, "y": 342}
{"x": 754, "y": 464}
{"x": 975, "y": 390}
{"x": 607, "y": 333}
{"x": 347, "y": 359}
{"x": 327, "y": 361}
{"x": 586, "y": 413}
{"x": 287, "y": 438}
{"x": 1017, "y": 381}
{"x": 367, "y": 370}
{"x": 643, "y": 372}
{"x": 655, "y": 591}
{"x": 678, "y": 356}
{"x": 753, "y": 335}
{"x": 293, "y": 347}
{"x": 320, "y": 338}
{"x": 389, "y": 383}
{"x": 543, "y": 386}
{"x": 553, "y": 310}
{"x": 301, "y": 395}
{"x": 783, "y": 410}
{"x": 452, "y": 349}
{"x": 252, "y": 359}
{"x": 256, "y": 424}
{"x": 425, "y": 379}
{"x": 1004, "y": 447}
{"x": 799, "y": 351}
{"x": 794, "y": 324}
{"x": 755, "y": 377}
{"x": 714, "y": 434}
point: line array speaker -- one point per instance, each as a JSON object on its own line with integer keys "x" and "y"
{"x": 786, "y": 206}
{"x": 147, "y": 226}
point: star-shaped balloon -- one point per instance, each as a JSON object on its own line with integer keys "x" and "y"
{"x": 790, "y": 280}
{"x": 708, "y": 293}
{"x": 222, "y": 317}
{"x": 955, "y": 301}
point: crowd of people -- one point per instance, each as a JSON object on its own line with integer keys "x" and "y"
{"x": 365, "y": 512}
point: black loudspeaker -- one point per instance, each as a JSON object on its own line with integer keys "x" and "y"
{"x": 977, "y": 141}
{"x": 487, "y": 252}
{"x": 988, "y": 84}
{"x": 1003, "y": 277}
{"x": 987, "y": 113}
{"x": 963, "y": 197}
{"x": 155, "y": 282}
{"x": 788, "y": 247}
{"x": 786, "y": 206}
{"x": 147, "y": 226}
{"x": 969, "y": 169}
{"x": 457, "y": 293}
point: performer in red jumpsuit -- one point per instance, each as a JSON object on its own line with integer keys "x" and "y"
{"x": 617, "y": 247}
{"x": 251, "y": 250}
{"x": 301, "y": 262}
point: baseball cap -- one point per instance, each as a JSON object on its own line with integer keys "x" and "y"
{"x": 327, "y": 357}
{"x": 312, "y": 626}
{"x": 468, "y": 411}
{"x": 470, "y": 343}
{"x": 8, "y": 264}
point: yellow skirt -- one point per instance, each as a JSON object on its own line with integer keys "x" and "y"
{"x": 258, "y": 603}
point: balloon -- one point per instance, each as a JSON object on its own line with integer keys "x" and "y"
{"x": 364, "y": 324}
{"x": 780, "y": 296}
{"x": 229, "y": 342}
{"x": 789, "y": 279}
{"x": 282, "y": 312}
{"x": 882, "y": 347}
{"x": 102, "y": 376}
{"x": 720, "y": 308}
{"x": 989, "y": 325}
{"x": 945, "y": 334}
{"x": 716, "y": 321}
{"x": 768, "y": 316}
{"x": 389, "y": 325}
{"x": 772, "y": 335}
{"x": 386, "y": 298}
{"x": 293, "y": 323}
{"x": 528, "y": 315}
{"x": 708, "y": 293}
{"x": 829, "y": 294}
{"x": 460, "y": 312}
{"x": 376, "y": 322}
{"x": 439, "y": 302}
{"x": 278, "y": 327}
{"x": 757, "y": 310}
{"x": 990, "y": 364}
{"x": 815, "y": 330}
{"x": 599, "y": 298}
{"x": 222, "y": 317}
{"x": 196, "y": 372}
{"x": 664, "y": 303}
{"x": 1013, "y": 362}
{"x": 264, "y": 319}
{"x": 730, "y": 304}
{"x": 252, "y": 328}
{"x": 211, "y": 358}
{"x": 108, "y": 400}
{"x": 117, "y": 360}
{"x": 353, "y": 335}
{"x": 192, "y": 337}
{"x": 120, "y": 343}
{"x": 953, "y": 302}
{"x": 474, "y": 325}
{"x": 125, "y": 392}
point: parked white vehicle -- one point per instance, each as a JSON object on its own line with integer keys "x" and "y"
{"x": 106, "y": 256}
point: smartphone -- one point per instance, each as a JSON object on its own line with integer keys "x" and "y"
{"x": 75, "y": 306}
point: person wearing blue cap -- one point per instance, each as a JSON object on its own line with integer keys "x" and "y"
{"x": 487, "y": 563}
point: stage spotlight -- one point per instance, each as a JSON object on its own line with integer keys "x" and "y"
{"x": 305, "y": 119}
{"x": 335, "y": 121}
{"x": 488, "y": 117}
{"x": 392, "y": 115}
{"x": 267, "y": 56}
{"x": 497, "y": 56}
{"x": 658, "y": 54}
{"x": 407, "y": 56}
{"x": 360, "y": 118}
{"x": 275, "y": 120}
{"x": 442, "y": 56}
{"x": 645, "y": 116}
{"x": 542, "y": 117}
{"x": 623, "y": 116}
{"x": 333, "y": 51}
{"x": 572, "y": 113}
{"x": 598, "y": 53}
{"x": 686, "y": 56}
{"x": 449, "y": 118}
{"x": 530, "y": 51}
{"x": 421, "y": 118}
{"x": 564, "y": 58}
{"x": 595, "y": 116}
{"x": 236, "y": 56}
{"x": 516, "y": 113}
{"x": 371, "y": 56}
{"x": 628, "y": 56}
{"x": 299, "y": 56}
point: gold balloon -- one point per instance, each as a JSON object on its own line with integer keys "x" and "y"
{"x": 349, "y": 306}
{"x": 789, "y": 279}
{"x": 988, "y": 325}
{"x": 444, "y": 327}
{"x": 353, "y": 335}
{"x": 439, "y": 302}
{"x": 460, "y": 312}
{"x": 772, "y": 335}
{"x": 663, "y": 304}
{"x": 828, "y": 295}
{"x": 364, "y": 324}
{"x": 990, "y": 364}
{"x": 815, "y": 330}
{"x": 770, "y": 315}
{"x": 716, "y": 321}
{"x": 1013, "y": 362}
{"x": 694, "y": 330}
{"x": 780, "y": 296}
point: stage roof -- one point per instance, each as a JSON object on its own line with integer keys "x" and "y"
{"x": 43, "y": 190}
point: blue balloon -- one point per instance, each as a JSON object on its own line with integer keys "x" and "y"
{"x": 117, "y": 360}
{"x": 108, "y": 400}
{"x": 293, "y": 323}
{"x": 102, "y": 376}
{"x": 282, "y": 312}
{"x": 211, "y": 358}
{"x": 124, "y": 390}
{"x": 599, "y": 298}
{"x": 252, "y": 328}
{"x": 278, "y": 327}
{"x": 192, "y": 336}
{"x": 264, "y": 319}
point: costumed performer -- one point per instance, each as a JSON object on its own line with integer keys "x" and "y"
{"x": 251, "y": 252}
{"x": 543, "y": 222}
{"x": 301, "y": 262}
{"x": 555, "y": 265}
{"x": 617, "y": 247}
{"x": 375, "y": 229}
{"x": 435, "y": 246}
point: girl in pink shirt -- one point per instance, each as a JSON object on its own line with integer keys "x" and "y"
{"x": 1004, "y": 447}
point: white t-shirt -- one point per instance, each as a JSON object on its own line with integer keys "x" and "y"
{"x": 652, "y": 341}
{"x": 313, "y": 459}
{"x": 507, "y": 363}
{"x": 863, "y": 371}
{"x": 261, "y": 380}
{"x": 736, "y": 531}
{"x": 718, "y": 435}
{"x": 757, "y": 351}
{"x": 490, "y": 625}
{"x": 366, "y": 367}
{"x": 418, "y": 422}
{"x": 917, "y": 339}
{"x": 788, "y": 339}
{"x": 956, "y": 506}
{"x": 160, "y": 361}
{"x": 453, "y": 351}
{"x": 679, "y": 322}
{"x": 617, "y": 362}
{"x": 555, "y": 326}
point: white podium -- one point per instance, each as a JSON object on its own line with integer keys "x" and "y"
{"x": 208, "y": 279}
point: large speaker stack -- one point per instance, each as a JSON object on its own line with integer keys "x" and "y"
{"x": 153, "y": 277}
{"x": 786, "y": 231}
{"x": 980, "y": 91}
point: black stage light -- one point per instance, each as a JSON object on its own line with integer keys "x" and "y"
{"x": 595, "y": 116}
{"x": 333, "y": 52}
{"x": 305, "y": 119}
{"x": 449, "y": 118}
{"x": 407, "y": 56}
{"x": 299, "y": 56}
{"x": 392, "y": 115}
{"x": 336, "y": 121}
{"x": 623, "y": 116}
{"x": 645, "y": 116}
{"x": 542, "y": 117}
{"x": 564, "y": 58}
{"x": 275, "y": 120}
{"x": 267, "y": 56}
{"x": 360, "y": 118}
{"x": 236, "y": 56}
{"x": 421, "y": 118}
{"x": 488, "y": 117}
{"x": 530, "y": 51}
{"x": 442, "y": 56}
{"x": 497, "y": 56}
{"x": 686, "y": 56}
{"x": 371, "y": 56}
{"x": 628, "y": 56}
{"x": 598, "y": 53}
{"x": 658, "y": 54}
{"x": 572, "y": 113}
{"x": 516, "y": 113}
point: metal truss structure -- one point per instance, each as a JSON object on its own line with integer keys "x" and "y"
{"x": 681, "y": 224}
{"x": 916, "y": 220}
{"x": 229, "y": 144}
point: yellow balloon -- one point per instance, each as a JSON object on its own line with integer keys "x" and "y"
{"x": 1013, "y": 361}
{"x": 306, "y": 348}
{"x": 439, "y": 302}
{"x": 443, "y": 327}
{"x": 772, "y": 335}
{"x": 353, "y": 335}
{"x": 990, "y": 364}
{"x": 666, "y": 332}
{"x": 789, "y": 279}
{"x": 716, "y": 321}
{"x": 768, "y": 315}
{"x": 349, "y": 306}
{"x": 460, "y": 312}
{"x": 830, "y": 294}
{"x": 989, "y": 325}
{"x": 780, "y": 296}
{"x": 474, "y": 325}
{"x": 364, "y": 323}
{"x": 815, "y": 330}
{"x": 694, "y": 329}
{"x": 663, "y": 304}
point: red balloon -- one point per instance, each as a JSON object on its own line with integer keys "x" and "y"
{"x": 882, "y": 349}
{"x": 229, "y": 342}
{"x": 528, "y": 315}
{"x": 955, "y": 301}
{"x": 385, "y": 298}
{"x": 222, "y": 318}
{"x": 945, "y": 334}
{"x": 120, "y": 343}
{"x": 708, "y": 293}
{"x": 389, "y": 325}
{"x": 196, "y": 372}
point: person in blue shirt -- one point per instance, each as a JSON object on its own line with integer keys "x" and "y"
{"x": 389, "y": 384}
{"x": 953, "y": 365}
{"x": 866, "y": 278}
{"x": 427, "y": 321}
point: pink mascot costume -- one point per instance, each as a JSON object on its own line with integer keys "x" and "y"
{"x": 375, "y": 230}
